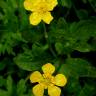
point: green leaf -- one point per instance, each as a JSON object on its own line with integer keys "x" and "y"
{"x": 83, "y": 47}
{"x": 2, "y": 81}
{"x": 58, "y": 32}
{"x": 10, "y": 40}
{"x": 25, "y": 62}
{"x": 3, "y": 93}
{"x": 63, "y": 48}
{"x": 76, "y": 67}
{"x": 32, "y": 35}
{"x": 86, "y": 29}
{"x": 67, "y": 35}
{"x": 82, "y": 14}
{"x": 66, "y": 3}
{"x": 73, "y": 86}
{"x": 59, "y": 47}
{"x": 88, "y": 90}
{"x": 9, "y": 85}
{"x": 33, "y": 60}
{"x": 24, "y": 21}
{"x": 2, "y": 65}
{"x": 21, "y": 87}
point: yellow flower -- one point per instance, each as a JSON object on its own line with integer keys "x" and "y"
{"x": 47, "y": 81}
{"x": 40, "y": 10}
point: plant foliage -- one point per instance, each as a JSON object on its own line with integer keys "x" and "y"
{"x": 69, "y": 43}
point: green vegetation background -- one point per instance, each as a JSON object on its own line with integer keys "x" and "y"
{"x": 69, "y": 44}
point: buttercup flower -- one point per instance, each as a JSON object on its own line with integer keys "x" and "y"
{"x": 40, "y": 10}
{"x": 47, "y": 81}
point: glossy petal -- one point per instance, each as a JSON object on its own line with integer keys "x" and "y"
{"x": 35, "y": 77}
{"x": 60, "y": 80}
{"x": 54, "y": 91}
{"x": 48, "y": 68}
{"x": 31, "y": 4}
{"x": 28, "y": 5}
{"x": 35, "y": 18}
{"x": 51, "y": 4}
{"x": 38, "y": 90}
{"x": 47, "y": 17}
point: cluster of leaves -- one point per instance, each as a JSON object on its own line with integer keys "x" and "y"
{"x": 69, "y": 43}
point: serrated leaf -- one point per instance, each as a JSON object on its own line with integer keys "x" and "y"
{"x": 76, "y": 67}
{"x": 25, "y": 62}
{"x": 10, "y": 40}
{"x": 58, "y": 31}
{"x": 32, "y": 60}
{"x": 85, "y": 29}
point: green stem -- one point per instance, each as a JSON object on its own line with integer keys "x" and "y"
{"x": 48, "y": 41}
{"x": 27, "y": 78}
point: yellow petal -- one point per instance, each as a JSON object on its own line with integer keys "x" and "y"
{"x": 51, "y": 4}
{"x": 31, "y": 4}
{"x": 35, "y": 77}
{"x": 28, "y": 5}
{"x": 47, "y": 17}
{"x": 38, "y": 90}
{"x": 60, "y": 80}
{"x": 48, "y": 68}
{"x": 54, "y": 91}
{"x": 35, "y": 18}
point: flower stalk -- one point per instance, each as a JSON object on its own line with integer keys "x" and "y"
{"x": 48, "y": 41}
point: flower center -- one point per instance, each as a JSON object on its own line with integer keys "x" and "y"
{"x": 48, "y": 80}
{"x": 42, "y": 8}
